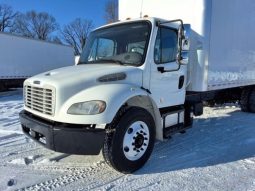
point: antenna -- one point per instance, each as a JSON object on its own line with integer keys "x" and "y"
{"x": 141, "y": 11}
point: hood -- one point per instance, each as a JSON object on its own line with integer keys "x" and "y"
{"x": 70, "y": 80}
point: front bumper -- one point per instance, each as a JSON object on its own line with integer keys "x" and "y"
{"x": 64, "y": 138}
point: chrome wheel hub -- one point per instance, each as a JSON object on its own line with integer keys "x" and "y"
{"x": 136, "y": 140}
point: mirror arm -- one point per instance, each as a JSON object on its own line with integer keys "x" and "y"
{"x": 159, "y": 23}
{"x": 180, "y": 43}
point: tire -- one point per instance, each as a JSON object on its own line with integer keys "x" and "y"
{"x": 130, "y": 140}
{"x": 244, "y": 101}
{"x": 210, "y": 103}
{"x": 252, "y": 101}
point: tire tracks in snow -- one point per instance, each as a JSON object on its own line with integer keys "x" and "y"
{"x": 71, "y": 175}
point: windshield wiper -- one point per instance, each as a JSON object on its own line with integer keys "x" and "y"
{"x": 107, "y": 61}
{"x": 110, "y": 61}
{"x": 101, "y": 61}
{"x": 117, "y": 62}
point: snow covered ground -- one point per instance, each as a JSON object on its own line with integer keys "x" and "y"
{"x": 218, "y": 153}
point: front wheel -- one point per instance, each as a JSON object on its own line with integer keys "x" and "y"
{"x": 130, "y": 144}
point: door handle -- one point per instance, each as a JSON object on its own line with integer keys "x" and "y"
{"x": 181, "y": 82}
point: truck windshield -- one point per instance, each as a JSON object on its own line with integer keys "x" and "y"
{"x": 124, "y": 44}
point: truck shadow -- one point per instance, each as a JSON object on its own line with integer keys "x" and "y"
{"x": 212, "y": 141}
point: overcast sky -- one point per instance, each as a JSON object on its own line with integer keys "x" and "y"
{"x": 63, "y": 10}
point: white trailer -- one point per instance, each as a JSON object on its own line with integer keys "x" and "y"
{"x": 143, "y": 78}
{"x": 21, "y": 58}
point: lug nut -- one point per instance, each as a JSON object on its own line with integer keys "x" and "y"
{"x": 126, "y": 149}
{"x": 130, "y": 130}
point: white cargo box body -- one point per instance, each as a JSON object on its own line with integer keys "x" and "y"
{"x": 222, "y": 44}
{"x": 21, "y": 57}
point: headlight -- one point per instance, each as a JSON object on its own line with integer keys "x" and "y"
{"x": 87, "y": 108}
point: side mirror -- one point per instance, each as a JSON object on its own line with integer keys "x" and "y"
{"x": 184, "y": 58}
{"x": 186, "y": 37}
{"x": 184, "y": 45}
{"x": 184, "y": 34}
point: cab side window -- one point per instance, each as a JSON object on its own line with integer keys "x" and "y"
{"x": 166, "y": 46}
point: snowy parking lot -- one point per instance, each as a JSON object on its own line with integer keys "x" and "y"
{"x": 218, "y": 153}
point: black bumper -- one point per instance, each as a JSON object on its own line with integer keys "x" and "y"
{"x": 64, "y": 138}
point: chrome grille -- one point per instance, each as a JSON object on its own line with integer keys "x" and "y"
{"x": 40, "y": 99}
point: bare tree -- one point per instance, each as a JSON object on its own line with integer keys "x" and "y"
{"x": 56, "y": 39}
{"x": 111, "y": 11}
{"x": 76, "y": 33}
{"x": 7, "y": 16}
{"x": 35, "y": 25}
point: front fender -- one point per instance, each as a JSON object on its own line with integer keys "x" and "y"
{"x": 115, "y": 95}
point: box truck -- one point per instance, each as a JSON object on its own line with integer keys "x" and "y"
{"x": 21, "y": 58}
{"x": 143, "y": 78}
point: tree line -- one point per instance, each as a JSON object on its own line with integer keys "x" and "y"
{"x": 43, "y": 26}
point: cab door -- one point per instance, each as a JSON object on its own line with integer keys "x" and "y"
{"x": 167, "y": 83}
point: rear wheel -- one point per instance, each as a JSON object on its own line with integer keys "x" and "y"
{"x": 252, "y": 101}
{"x": 244, "y": 101}
{"x": 130, "y": 140}
{"x": 247, "y": 101}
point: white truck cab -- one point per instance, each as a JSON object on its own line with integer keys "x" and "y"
{"x": 137, "y": 80}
